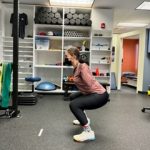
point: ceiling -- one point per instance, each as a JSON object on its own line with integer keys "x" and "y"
{"x": 124, "y": 11}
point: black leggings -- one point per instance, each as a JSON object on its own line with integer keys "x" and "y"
{"x": 82, "y": 102}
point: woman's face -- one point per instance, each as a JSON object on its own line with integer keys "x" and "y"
{"x": 69, "y": 57}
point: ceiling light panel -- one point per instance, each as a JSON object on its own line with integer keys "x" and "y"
{"x": 74, "y": 3}
{"x": 144, "y": 6}
{"x": 132, "y": 24}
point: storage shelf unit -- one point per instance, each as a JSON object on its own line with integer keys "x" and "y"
{"x": 49, "y": 61}
{"x": 101, "y": 55}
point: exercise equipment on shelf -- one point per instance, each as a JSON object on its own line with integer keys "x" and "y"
{"x": 48, "y": 15}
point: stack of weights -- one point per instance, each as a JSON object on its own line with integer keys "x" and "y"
{"x": 72, "y": 17}
{"x": 148, "y": 92}
{"x": 48, "y": 15}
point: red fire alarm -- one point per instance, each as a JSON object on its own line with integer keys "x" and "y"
{"x": 103, "y": 25}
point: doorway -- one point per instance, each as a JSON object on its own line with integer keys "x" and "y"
{"x": 129, "y": 67}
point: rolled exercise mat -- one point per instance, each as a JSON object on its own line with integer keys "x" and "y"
{"x": 72, "y": 10}
{"x": 43, "y": 20}
{"x": 54, "y": 21}
{"x": 57, "y": 15}
{"x": 72, "y": 21}
{"x": 78, "y": 22}
{"x": 54, "y": 9}
{"x": 75, "y": 16}
{"x": 49, "y": 10}
{"x": 59, "y": 20}
{"x": 49, "y": 20}
{"x": 89, "y": 22}
{"x": 67, "y": 10}
{"x": 80, "y": 16}
{"x": 69, "y": 15}
{"x": 83, "y": 22}
{"x": 86, "y": 16}
{"x": 66, "y": 21}
{"x": 51, "y": 15}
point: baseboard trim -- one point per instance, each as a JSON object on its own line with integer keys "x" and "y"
{"x": 142, "y": 92}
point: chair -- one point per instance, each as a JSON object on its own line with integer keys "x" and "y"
{"x": 32, "y": 80}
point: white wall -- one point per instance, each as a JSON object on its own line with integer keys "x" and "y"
{"x": 99, "y": 16}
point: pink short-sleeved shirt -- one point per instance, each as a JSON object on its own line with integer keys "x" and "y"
{"x": 85, "y": 81}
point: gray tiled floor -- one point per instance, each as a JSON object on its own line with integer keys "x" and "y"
{"x": 120, "y": 125}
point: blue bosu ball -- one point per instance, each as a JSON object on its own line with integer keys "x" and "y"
{"x": 46, "y": 86}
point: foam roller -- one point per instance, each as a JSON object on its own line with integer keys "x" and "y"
{"x": 72, "y": 11}
{"x": 66, "y": 21}
{"x": 69, "y": 15}
{"x": 75, "y": 16}
{"x": 42, "y": 12}
{"x": 59, "y": 20}
{"x": 83, "y": 22}
{"x": 43, "y": 20}
{"x": 89, "y": 22}
{"x": 46, "y": 15}
{"x": 72, "y": 21}
{"x": 49, "y": 20}
{"x": 49, "y": 10}
{"x": 78, "y": 22}
{"x": 66, "y": 10}
{"x": 46, "y": 10}
{"x": 51, "y": 15}
{"x": 86, "y": 16}
{"x": 80, "y": 16}
{"x": 36, "y": 20}
{"x": 57, "y": 15}
{"x": 39, "y": 9}
{"x": 54, "y": 20}
{"x": 54, "y": 9}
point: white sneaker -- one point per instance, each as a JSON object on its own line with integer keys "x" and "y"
{"x": 85, "y": 136}
{"x": 76, "y": 122}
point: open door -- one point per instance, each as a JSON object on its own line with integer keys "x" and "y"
{"x": 129, "y": 68}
